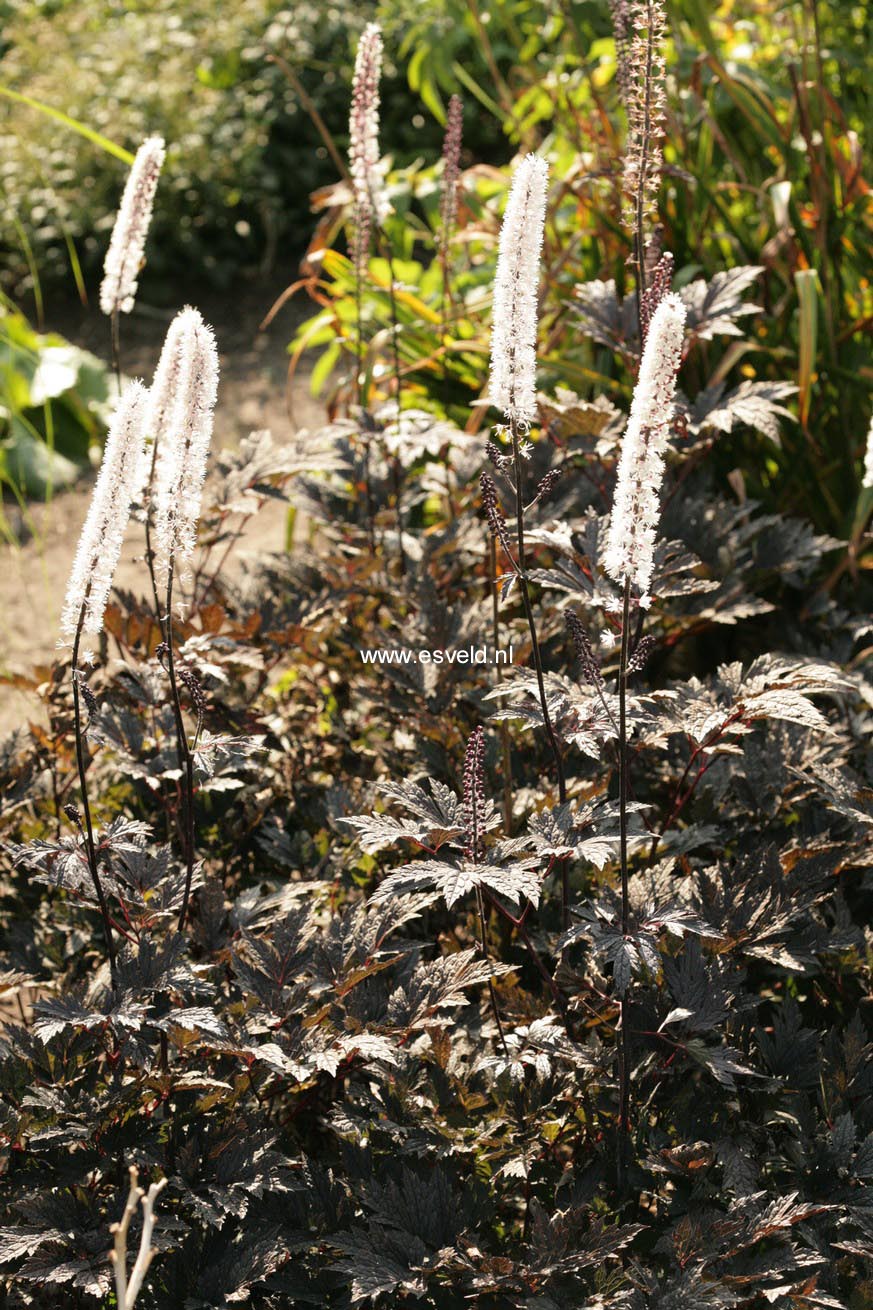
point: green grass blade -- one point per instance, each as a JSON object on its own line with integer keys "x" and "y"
{"x": 82, "y": 128}
{"x": 806, "y": 281}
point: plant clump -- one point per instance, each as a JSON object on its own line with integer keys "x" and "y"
{"x": 403, "y": 976}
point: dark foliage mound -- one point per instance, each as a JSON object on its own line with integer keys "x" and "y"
{"x": 375, "y": 1063}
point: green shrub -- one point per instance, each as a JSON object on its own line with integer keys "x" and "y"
{"x": 242, "y": 156}
{"x": 764, "y": 156}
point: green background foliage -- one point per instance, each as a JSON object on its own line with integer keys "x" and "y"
{"x": 241, "y": 158}
{"x": 768, "y": 122}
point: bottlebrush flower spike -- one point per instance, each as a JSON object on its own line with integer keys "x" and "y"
{"x": 644, "y": 95}
{"x": 868, "y": 459}
{"x": 167, "y": 381}
{"x": 636, "y": 508}
{"x": 125, "y": 254}
{"x": 371, "y": 200}
{"x": 659, "y": 282}
{"x": 622, "y": 28}
{"x": 180, "y": 420}
{"x": 474, "y": 794}
{"x": 493, "y": 513}
{"x": 588, "y": 661}
{"x": 451, "y": 167}
{"x": 516, "y": 284}
{"x": 103, "y": 532}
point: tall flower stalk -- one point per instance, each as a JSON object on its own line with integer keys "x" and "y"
{"x": 99, "y": 548}
{"x": 396, "y": 466}
{"x": 640, "y": 32}
{"x": 639, "y": 27}
{"x": 181, "y": 418}
{"x": 449, "y": 201}
{"x": 124, "y": 258}
{"x": 371, "y": 208}
{"x": 629, "y": 561}
{"x": 498, "y": 672}
{"x": 368, "y": 192}
{"x": 513, "y": 389}
{"x": 370, "y": 199}
{"x": 448, "y": 220}
{"x": 474, "y": 814}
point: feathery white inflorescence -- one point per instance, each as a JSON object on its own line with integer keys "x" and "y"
{"x": 125, "y": 254}
{"x": 868, "y": 458}
{"x": 636, "y": 509}
{"x": 166, "y": 383}
{"x": 513, "y": 383}
{"x": 371, "y": 198}
{"x": 100, "y": 543}
{"x": 180, "y": 421}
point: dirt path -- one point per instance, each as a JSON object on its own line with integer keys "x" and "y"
{"x": 33, "y": 576}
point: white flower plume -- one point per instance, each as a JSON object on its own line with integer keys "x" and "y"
{"x": 636, "y": 508}
{"x": 868, "y": 458}
{"x": 516, "y": 285}
{"x": 100, "y": 543}
{"x": 368, "y": 183}
{"x": 165, "y": 387}
{"x": 125, "y": 254}
{"x": 180, "y": 421}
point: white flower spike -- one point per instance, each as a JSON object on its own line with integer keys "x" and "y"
{"x": 118, "y": 483}
{"x": 636, "y": 509}
{"x": 516, "y": 287}
{"x": 180, "y": 420}
{"x": 166, "y": 383}
{"x": 371, "y": 199}
{"x": 125, "y": 254}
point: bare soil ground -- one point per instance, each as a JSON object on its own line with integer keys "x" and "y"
{"x": 33, "y": 575}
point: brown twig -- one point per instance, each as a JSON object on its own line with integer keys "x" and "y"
{"x": 186, "y": 759}
{"x": 521, "y": 571}
{"x": 623, "y": 762}
{"x": 86, "y": 807}
{"x": 309, "y": 106}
